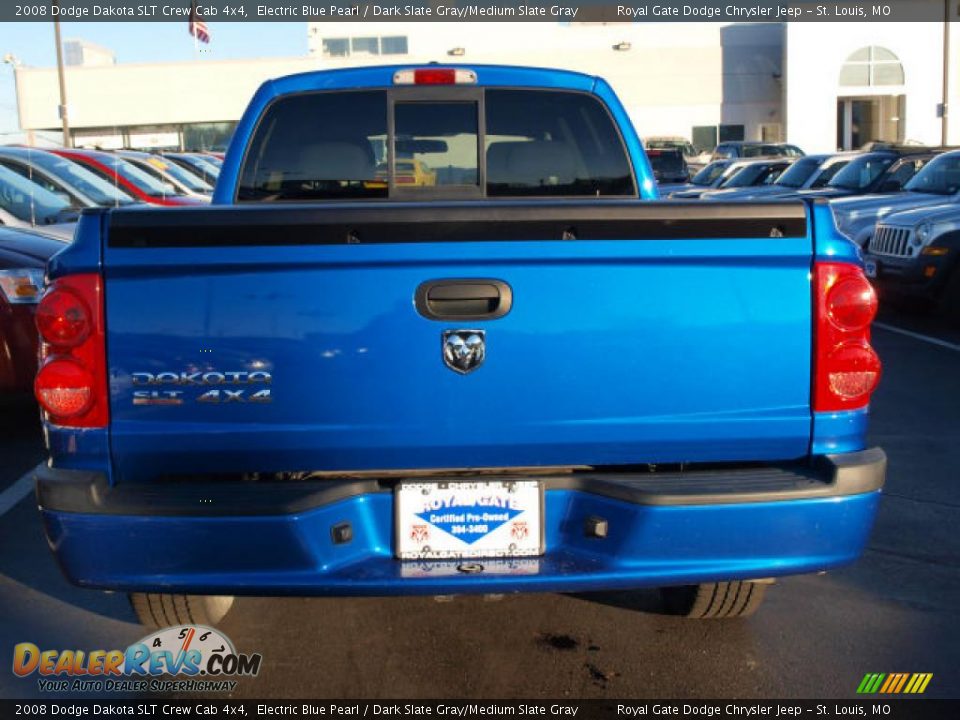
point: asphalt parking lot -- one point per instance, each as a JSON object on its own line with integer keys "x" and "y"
{"x": 897, "y": 610}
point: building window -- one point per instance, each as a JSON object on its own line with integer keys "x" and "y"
{"x": 704, "y": 137}
{"x": 344, "y": 47}
{"x": 364, "y": 46}
{"x": 731, "y": 133}
{"x": 396, "y": 45}
{"x": 871, "y": 66}
{"x": 336, "y": 47}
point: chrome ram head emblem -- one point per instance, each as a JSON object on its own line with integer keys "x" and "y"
{"x": 464, "y": 350}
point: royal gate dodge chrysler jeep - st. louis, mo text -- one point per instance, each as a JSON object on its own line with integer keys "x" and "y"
{"x": 434, "y": 336}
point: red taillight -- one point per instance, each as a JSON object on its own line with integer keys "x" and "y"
{"x": 71, "y": 385}
{"x": 846, "y": 368}
{"x": 434, "y": 76}
{"x": 63, "y": 318}
{"x": 852, "y": 302}
{"x": 64, "y": 388}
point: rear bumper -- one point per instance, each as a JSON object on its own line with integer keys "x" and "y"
{"x": 908, "y": 276}
{"x": 275, "y": 539}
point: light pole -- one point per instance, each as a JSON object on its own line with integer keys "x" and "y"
{"x": 14, "y": 62}
{"x": 63, "y": 81}
{"x": 944, "y": 108}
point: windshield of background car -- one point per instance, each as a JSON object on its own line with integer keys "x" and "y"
{"x": 827, "y": 173}
{"x": 752, "y": 175}
{"x": 205, "y": 165}
{"x": 940, "y": 176}
{"x": 861, "y": 172}
{"x": 94, "y": 187}
{"x": 335, "y": 145}
{"x": 140, "y": 179}
{"x": 797, "y": 174}
{"x": 28, "y": 201}
{"x": 160, "y": 167}
{"x": 710, "y": 173}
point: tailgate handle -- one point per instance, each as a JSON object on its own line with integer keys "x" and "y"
{"x": 473, "y": 299}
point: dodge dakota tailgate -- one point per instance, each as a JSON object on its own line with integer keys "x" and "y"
{"x": 456, "y": 335}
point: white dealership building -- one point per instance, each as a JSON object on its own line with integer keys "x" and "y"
{"x": 821, "y": 86}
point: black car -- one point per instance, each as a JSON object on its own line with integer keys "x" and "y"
{"x": 669, "y": 165}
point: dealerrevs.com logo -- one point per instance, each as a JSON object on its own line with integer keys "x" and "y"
{"x": 203, "y": 657}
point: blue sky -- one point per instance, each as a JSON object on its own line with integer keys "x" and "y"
{"x": 33, "y": 44}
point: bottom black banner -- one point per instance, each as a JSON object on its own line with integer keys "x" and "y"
{"x": 912, "y": 709}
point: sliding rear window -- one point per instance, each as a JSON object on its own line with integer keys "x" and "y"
{"x": 336, "y": 145}
{"x": 553, "y": 144}
{"x": 318, "y": 146}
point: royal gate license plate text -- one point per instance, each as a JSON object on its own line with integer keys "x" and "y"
{"x": 469, "y": 519}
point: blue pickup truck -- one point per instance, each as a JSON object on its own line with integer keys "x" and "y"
{"x": 434, "y": 336}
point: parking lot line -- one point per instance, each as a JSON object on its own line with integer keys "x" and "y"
{"x": 918, "y": 336}
{"x": 15, "y": 493}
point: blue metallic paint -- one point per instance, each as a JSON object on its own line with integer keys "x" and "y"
{"x": 647, "y": 546}
{"x": 641, "y": 367}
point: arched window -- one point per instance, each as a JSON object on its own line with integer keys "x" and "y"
{"x": 871, "y": 66}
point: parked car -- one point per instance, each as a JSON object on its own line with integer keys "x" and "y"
{"x": 683, "y": 407}
{"x": 709, "y": 177}
{"x": 128, "y": 177}
{"x": 23, "y": 255}
{"x": 739, "y": 149}
{"x": 753, "y": 174}
{"x": 68, "y": 180}
{"x": 168, "y": 172}
{"x": 206, "y": 167}
{"x": 741, "y": 174}
{"x": 808, "y": 172}
{"x": 882, "y": 172}
{"x": 669, "y": 165}
{"x": 696, "y": 159}
{"x": 24, "y": 204}
{"x": 916, "y": 254}
{"x": 936, "y": 183}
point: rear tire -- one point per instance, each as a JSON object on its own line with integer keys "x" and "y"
{"x": 736, "y": 599}
{"x": 157, "y": 610}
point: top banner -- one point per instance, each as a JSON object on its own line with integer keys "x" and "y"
{"x": 480, "y": 10}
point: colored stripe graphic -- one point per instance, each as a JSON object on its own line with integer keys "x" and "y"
{"x": 894, "y": 683}
{"x": 903, "y": 681}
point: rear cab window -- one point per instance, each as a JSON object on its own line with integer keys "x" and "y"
{"x": 433, "y": 143}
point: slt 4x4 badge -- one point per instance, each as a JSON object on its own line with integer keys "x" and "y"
{"x": 214, "y": 386}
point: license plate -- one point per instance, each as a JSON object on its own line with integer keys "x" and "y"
{"x": 870, "y": 268}
{"x": 490, "y": 519}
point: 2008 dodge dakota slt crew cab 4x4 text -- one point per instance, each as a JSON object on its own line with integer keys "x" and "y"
{"x": 431, "y": 338}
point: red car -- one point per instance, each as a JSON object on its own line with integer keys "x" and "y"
{"x": 23, "y": 257}
{"x": 131, "y": 179}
